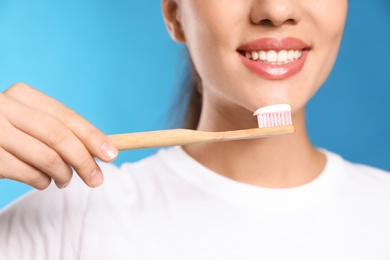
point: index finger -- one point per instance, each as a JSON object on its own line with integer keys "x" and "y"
{"x": 97, "y": 143}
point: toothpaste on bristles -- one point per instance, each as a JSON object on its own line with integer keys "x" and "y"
{"x": 274, "y": 115}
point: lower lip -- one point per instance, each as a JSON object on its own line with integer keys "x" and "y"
{"x": 275, "y": 72}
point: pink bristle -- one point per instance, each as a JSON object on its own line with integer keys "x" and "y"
{"x": 272, "y": 116}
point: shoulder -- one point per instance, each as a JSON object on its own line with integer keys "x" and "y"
{"x": 154, "y": 170}
{"x": 51, "y": 216}
{"x": 368, "y": 174}
{"x": 361, "y": 178}
{"x": 126, "y": 181}
{"x": 40, "y": 218}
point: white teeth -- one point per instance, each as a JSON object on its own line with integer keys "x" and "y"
{"x": 281, "y": 57}
{"x": 272, "y": 56}
{"x": 297, "y": 54}
{"x": 255, "y": 55}
{"x": 291, "y": 55}
{"x": 263, "y": 55}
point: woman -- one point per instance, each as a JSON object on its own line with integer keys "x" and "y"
{"x": 273, "y": 198}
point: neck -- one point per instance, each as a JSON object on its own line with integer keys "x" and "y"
{"x": 275, "y": 162}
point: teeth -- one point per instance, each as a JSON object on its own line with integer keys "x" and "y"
{"x": 297, "y": 54}
{"x": 263, "y": 55}
{"x": 255, "y": 55}
{"x": 274, "y": 57}
{"x": 291, "y": 55}
{"x": 282, "y": 56}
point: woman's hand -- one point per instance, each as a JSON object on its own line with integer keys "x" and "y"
{"x": 41, "y": 139}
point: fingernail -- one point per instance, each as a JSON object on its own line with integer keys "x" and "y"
{"x": 62, "y": 186}
{"x": 96, "y": 179}
{"x": 109, "y": 151}
{"x": 65, "y": 185}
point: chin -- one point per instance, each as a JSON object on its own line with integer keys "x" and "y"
{"x": 296, "y": 103}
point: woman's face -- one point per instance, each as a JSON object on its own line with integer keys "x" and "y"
{"x": 252, "y": 53}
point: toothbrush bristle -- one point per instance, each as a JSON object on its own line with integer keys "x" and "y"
{"x": 275, "y": 115}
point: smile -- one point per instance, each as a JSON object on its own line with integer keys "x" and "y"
{"x": 274, "y": 58}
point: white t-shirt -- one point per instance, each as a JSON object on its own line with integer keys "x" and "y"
{"x": 169, "y": 206}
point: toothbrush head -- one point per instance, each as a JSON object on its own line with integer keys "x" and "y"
{"x": 274, "y": 115}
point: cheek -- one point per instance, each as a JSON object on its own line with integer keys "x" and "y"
{"x": 212, "y": 33}
{"x": 328, "y": 21}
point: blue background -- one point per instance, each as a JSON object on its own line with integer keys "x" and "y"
{"x": 113, "y": 62}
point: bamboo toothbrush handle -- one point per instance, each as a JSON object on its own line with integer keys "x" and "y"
{"x": 156, "y": 138}
{"x": 175, "y": 137}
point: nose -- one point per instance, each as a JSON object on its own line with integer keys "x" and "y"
{"x": 276, "y": 12}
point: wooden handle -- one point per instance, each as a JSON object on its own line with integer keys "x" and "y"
{"x": 175, "y": 137}
{"x": 157, "y": 138}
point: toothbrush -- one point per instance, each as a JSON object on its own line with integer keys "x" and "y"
{"x": 273, "y": 120}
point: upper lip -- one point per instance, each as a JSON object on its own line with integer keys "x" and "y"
{"x": 275, "y": 44}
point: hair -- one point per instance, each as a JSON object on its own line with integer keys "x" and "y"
{"x": 188, "y": 104}
{"x": 189, "y": 100}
